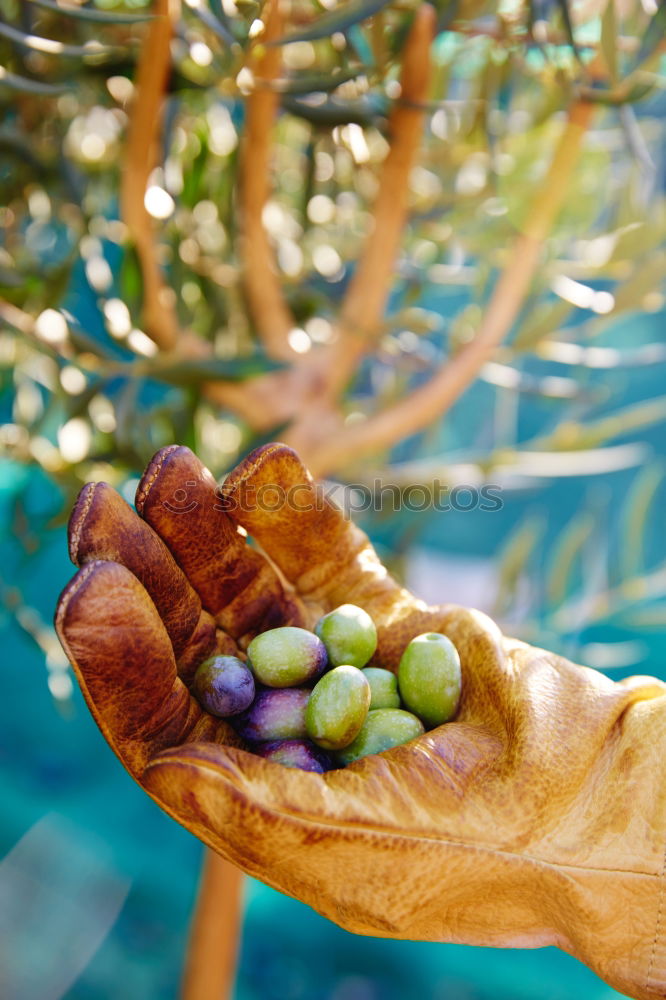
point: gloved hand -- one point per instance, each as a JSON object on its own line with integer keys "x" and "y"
{"x": 537, "y": 818}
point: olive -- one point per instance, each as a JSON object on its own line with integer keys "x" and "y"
{"x": 349, "y": 635}
{"x": 223, "y": 685}
{"x": 383, "y": 729}
{"x": 383, "y": 688}
{"x": 295, "y": 753}
{"x": 337, "y": 707}
{"x": 429, "y": 678}
{"x": 286, "y": 657}
{"x": 275, "y": 714}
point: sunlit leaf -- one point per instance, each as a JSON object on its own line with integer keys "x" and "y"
{"x": 594, "y": 433}
{"x": 609, "y": 39}
{"x": 626, "y": 93}
{"x": 564, "y": 555}
{"x": 654, "y": 35}
{"x": 219, "y": 27}
{"x": 52, "y": 47}
{"x": 646, "y": 618}
{"x": 186, "y": 372}
{"x": 604, "y": 358}
{"x": 24, "y": 85}
{"x": 321, "y": 83}
{"x": 514, "y": 559}
{"x": 639, "y": 238}
{"x": 331, "y": 112}
{"x": 634, "y": 139}
{"x": 646, "y": 278}
{"x": 541, "y": 322}
{"x": 339, "y": 19}
{"x": 635, "y": 516}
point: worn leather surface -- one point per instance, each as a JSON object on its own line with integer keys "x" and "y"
{"x": 537, "y": 818}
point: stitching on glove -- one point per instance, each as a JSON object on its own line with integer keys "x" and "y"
{"x": 658, "y": 927}
{"x": 75, "y": 530}
{"x": 65, "y": 598}
{"x": 270, "y": 450}
{"x": 145, "y": 490}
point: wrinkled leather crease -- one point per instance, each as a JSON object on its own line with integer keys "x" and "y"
{"x": 537, "y": 817}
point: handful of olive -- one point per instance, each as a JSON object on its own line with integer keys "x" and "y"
{"x": 308, "y": 700}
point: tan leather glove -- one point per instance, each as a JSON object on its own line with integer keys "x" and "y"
{"x": 537, "y": 818}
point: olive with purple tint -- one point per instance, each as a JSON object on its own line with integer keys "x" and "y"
{"x": 275, "y": 714}
{"x": 223, "y": 685}
{"x": 286, "y": 657}
{"x": 295, "y": 753}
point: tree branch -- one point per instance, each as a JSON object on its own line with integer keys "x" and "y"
{"x": 425, "y": 404}
{"x": 365, "y": 300}
{"x": 267, "y": 306}
{"x": 212, "y": 953}
{"x": 159, "y": 316}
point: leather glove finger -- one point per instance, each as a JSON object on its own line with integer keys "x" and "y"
{"x": 103, "y": 526}
{"x": 179, "y": 498}
{"x": 123, "y": 659}
{"x": 325, "y": 556}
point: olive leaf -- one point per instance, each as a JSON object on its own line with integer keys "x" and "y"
{"x": 564, "y": 555}
{"x": 185, "y": 372}
{"x": 319, "y": 84}
{"x": 609, "y": 40}
{"x": 338, "y": 20}
{"x": 81, "y": 13}
{"x": 653, "y": 36}
{"x": 515, "y": 558}
{"x": 539, "y": 323}
{"x": 217, "y": 26}
{"x": 331, "y": 112}
{"x": 627, "y": 92}
{"x": 25, "y": 85}
{"x": 635, "y": 515}
{"x": 52, "y": 47}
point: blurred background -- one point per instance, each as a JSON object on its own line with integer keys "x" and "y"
{"x": 435, "y": 263}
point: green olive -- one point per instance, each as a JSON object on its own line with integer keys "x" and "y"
{"x": 337, "y": 707}
{"x": 383, "y": 688}
{"x": 286, "y": 657}
{"x": 349, "y": 635}
{"x": 429, "y": 678}
{"x": 383, "y": 729}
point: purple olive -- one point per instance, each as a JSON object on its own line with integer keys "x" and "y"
{"x": 295, "y": 753}
{"x": 223, "y": 685}
{"x": 275, "y": 714}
